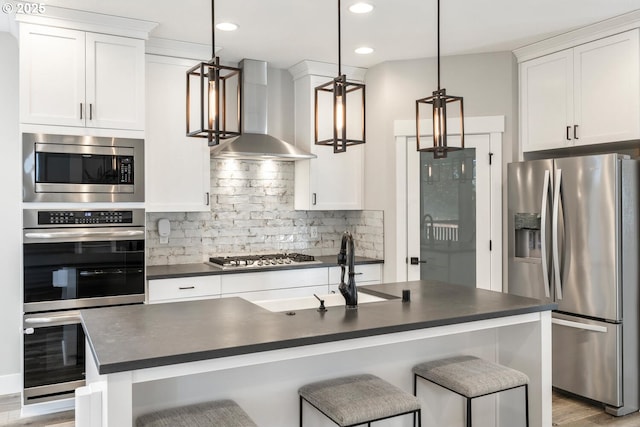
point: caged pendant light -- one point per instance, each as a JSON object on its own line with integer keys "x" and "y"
{"x": 210, "y": 88}
{"x": 341, "y": 91}
{"x": 439, "y": 100}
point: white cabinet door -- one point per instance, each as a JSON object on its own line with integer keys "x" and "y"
{"x": 607, "y": 89}
{"x": 271, "y": 280}
{"x": 75, "y": 78}
{"x": 115, "y": 82}
{"x": 546, "y": 101}
{"x": 52, "y": 75}
{"x": 178, "y": 168}
{"x": 332, "y": 181}
{"x": 183, "y": 289}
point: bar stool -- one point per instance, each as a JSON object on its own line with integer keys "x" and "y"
{"x": 472, "y": 377}
{"x": 219, "y": 413}
{"x": 359, "y": 399}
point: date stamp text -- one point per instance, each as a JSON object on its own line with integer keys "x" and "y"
{"x": 23, "y": 8}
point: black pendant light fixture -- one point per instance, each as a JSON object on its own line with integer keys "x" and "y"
{"x": 439, "y": 100}
{"x": 210, "y": 88}
{"x": 344, "y": 94}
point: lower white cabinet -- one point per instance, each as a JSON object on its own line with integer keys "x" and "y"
{"x": 183, "y": 289}
{"x": 257, "y": 286}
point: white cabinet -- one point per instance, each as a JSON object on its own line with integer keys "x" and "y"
{"x": 183, "y": 289}
{"x": 275, "y": 284}
{"x": 332, "y": 181}
{"x": 178, "y": 168}
{"x": 77, "y": 78}
{"x": 588, "y": 94}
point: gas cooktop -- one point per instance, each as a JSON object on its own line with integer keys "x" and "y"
{"x": 262, "y": 261}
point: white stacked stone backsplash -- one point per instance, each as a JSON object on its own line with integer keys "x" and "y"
{"x": 252, "y": 212}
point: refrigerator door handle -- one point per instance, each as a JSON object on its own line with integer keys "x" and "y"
{"x": 554, "y": 234}
{"x": 578, "y": 325}
{"x": 543, "y": 232}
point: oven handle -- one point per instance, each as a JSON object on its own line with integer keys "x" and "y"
{"x": 90, "y": 273}
{"x": 75, "y": 234}
{"x": 56, "y": 320}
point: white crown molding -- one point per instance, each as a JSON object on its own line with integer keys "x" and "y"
{"x": 326, "y": 69}
{"x": 609, "y": 27}
{"x": 87, "y": 21}
{"x": 178, "y": 49}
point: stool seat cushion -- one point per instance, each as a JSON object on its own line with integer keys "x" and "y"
{"x": 220, "y": 413}
{"x": 470, "y": 376}
{"x": 358, "y": 399}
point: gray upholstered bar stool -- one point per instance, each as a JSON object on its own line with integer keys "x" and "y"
{"x": 472, "y": 377}
{"x": 219, "y": 413}
{"x": 358, "y": 399}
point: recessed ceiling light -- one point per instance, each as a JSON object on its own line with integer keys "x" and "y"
{"x": 226, "y": 26}
{"x": 361, "y": 8}
{"x": 364, "y": 50}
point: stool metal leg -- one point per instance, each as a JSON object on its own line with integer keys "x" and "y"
{"x": 300, "y": 411}
{"x": 526, "y": 403}
{"x": 468, "y": 412}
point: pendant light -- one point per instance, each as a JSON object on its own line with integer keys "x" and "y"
{"x": 343, "y": 95}
{"x": 439, "y": 100}
{"x": 210, "y": 88}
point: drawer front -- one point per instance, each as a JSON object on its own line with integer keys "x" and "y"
{"x": 267, "y": 280}
{"x": 184, "y": 288}
{"x": 371, "y": 273}
{"x": 587, "y": 358}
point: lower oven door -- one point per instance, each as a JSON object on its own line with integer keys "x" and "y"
{"x": 54, "y": 356}
{"x": 587, "y": 358}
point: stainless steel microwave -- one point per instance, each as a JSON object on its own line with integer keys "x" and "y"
{"x": 60, "y": 168}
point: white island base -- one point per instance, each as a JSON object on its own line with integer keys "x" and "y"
{"x": 265, "y": 384}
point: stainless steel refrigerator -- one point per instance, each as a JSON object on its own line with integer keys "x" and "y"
{"x": 573, "y": 239}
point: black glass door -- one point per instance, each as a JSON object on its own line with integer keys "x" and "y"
{"x": 72, "y": 168}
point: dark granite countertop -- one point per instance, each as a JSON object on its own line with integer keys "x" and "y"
{"x": 203, "y": 269}
{"x": 142, "y": 336}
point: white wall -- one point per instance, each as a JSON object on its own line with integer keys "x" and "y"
{"x": 488, "y": 83}
{"x": 10, "y": 218}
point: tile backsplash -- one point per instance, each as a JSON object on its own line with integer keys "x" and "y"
{"x": 252, "y": 212}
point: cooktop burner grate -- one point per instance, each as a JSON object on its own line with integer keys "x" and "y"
{"x": 263, "y": 260}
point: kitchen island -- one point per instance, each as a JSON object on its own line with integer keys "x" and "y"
{"x": 146, "y": 357}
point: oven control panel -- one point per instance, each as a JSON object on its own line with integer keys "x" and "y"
{"x": 84, "y": 217}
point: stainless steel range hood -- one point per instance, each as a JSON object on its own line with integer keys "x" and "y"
{"x": 254, "y": 143}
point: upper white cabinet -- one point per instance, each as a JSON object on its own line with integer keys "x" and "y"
{"x": 76, "y": 78}
{"x": 588, "y": 94}
{"x": 178, "y": 168}
{"x": 332, "y": 181}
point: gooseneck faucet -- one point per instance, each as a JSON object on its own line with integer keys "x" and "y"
{"x": 347, "y": 256}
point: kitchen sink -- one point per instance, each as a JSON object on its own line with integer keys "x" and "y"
{"x": 303, "y": 303}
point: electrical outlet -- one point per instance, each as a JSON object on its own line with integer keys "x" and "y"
{"x": 314, "y": 232}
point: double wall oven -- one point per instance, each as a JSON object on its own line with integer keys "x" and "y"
{"x": 73, "y": 259}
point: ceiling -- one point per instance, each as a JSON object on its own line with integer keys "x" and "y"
{"x": 285, "y": 32}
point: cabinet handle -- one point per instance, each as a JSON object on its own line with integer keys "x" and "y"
{"x": 90, "y": 111}
{"x": 313, "y": 199}
{"x": 184, "y": 288}
{"x": 575, "y": 132}
{"x": 568, "y": 130}
{"x": 81, "y": 111}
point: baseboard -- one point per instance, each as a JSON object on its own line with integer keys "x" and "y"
{"x": 10, "y": 384}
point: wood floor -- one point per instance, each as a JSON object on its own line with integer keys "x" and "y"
{"x": 567, "y": 412}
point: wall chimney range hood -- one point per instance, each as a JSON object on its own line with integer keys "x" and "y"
{"x": 254, "y": 143}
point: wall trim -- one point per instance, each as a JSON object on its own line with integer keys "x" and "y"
{"x": 326, "y": 69}
{"x": 617, "y": 24}
{"x": 178, "y": 49}
{"x": 10, "y": 384}
{"x": 472, "y": 126}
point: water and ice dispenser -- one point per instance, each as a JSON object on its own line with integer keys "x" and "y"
{"x": 527, "y": 235}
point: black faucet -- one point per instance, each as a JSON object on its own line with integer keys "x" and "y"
{"x": 347, "y": 255}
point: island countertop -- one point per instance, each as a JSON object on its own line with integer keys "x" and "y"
{"x": 134, "y": 337}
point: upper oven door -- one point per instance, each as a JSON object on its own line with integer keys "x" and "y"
{"x": 82, "y": 169}
{"x": 82, "y": 267}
